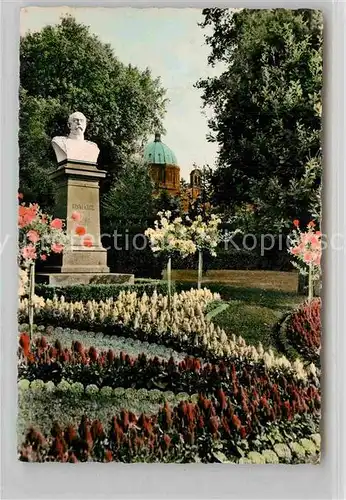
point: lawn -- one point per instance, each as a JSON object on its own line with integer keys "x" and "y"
{"x": 267, "y": 280}
{"x": 256, "y": 300}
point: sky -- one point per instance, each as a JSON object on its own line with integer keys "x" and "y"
{"x": 169, "y": 42}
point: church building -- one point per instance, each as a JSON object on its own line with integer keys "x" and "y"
{"x": 165, "y": 171}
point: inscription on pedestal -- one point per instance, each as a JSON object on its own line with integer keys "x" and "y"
{"x": 82, "y": 206}
{"x": 84, "y": 209}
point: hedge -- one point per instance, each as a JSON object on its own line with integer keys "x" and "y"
{"x": 98, "y": 292}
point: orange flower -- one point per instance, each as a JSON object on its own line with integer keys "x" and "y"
{"x": 80, "y": 230}
{"x": 56, "y": 224}
{"x": 296, "y": 222}
{"x": 311, "y": 224}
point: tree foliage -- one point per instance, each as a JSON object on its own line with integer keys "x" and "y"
{"x": 65, "y": 68}
{"x": 266, "y": 107}
{"x": 130, "y": 200}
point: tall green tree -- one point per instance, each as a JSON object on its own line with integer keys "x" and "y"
{"x": 129, "y": 201}
{"x": 64, "y": 68}
{"x": 266, "y": 107}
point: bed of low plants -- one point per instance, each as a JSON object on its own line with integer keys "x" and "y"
{"x": 245, "y": 381}
{"x": 205, "y": 431}
{"x": 139, "y": 379}
{"x": 128, "y": 345}
{"x": 298, "y": 333}
{"x": 40, "y": 404}
{"x": 182, "y": 324}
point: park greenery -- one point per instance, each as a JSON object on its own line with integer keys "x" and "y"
{"x": 266, "y": 111}
{"x": 214, "y": 357}
{"x": 64, "y": 68}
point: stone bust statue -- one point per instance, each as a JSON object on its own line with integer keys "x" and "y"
{"x": 74, "y": 146}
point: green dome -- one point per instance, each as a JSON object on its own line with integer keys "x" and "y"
{"x": 157, "y": 152}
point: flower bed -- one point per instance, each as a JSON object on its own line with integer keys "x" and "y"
{"x": 182, "y": 325}
{"x": 128, "y": 345}
{"x": 190, "y": 432}
{"x": 256, "y": 397}
{"x": 40, "y": 404}
{"x": 299, "y": 332}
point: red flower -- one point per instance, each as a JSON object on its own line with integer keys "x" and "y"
{"x": 108, "y": 456}
{"x": 213, "y": 425}
{"x": 72, "y": 459}
{"x": 43, "y": 342}
{"x": 80, "y": 230}
{"x": 110, "y": 356}
{"x": 236, "y": 422}
{"x": 296, "y": 222}
{"x": 70, "y": 434}
{"x": 92, "y": 354}
{"x": 166, "y": 441}
{"x": 243, "y": 432}
{"x": 222, "y": 399}
{"x": 24, "y": 342}
{"x": 97, "y": 429}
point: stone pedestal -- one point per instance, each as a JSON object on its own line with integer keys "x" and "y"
{"x": 77, "y": 190}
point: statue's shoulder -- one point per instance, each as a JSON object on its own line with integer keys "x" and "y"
{"x": 59, "y": 139}
{"x": 91, "y": 143}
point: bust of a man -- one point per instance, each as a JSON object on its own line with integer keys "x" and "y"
{"x": 74, "y": 146}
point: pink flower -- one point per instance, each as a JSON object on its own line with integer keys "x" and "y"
{"x": 296, "y": 250}
{"x": 56, "y": 224}
{"x": 57, "y": 247}
{"x": 308, "y": 257}
{"x": 87, "y": 241}
{"x": 29, "y": 252}
{"x": 33, "y": 236}
{"x": 76, "y": 216}
{"x": 317, "y": 259}
{"x": 43, "y": 257}
{"x": 315, "y": 242}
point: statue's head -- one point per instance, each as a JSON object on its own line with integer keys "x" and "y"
{"x": 76, "y": 123}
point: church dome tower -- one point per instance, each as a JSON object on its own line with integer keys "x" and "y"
{"x": 164, "y": 168}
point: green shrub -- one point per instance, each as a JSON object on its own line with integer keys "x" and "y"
{"x": 242, "y": 259}
{"x": 98, "y": 292}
